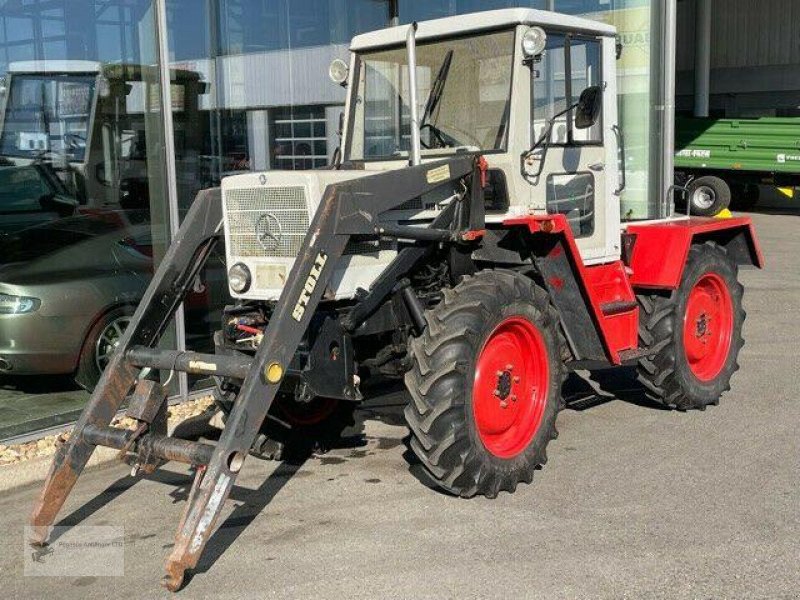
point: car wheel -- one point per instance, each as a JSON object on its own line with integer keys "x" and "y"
{"x": 99, "y": 345}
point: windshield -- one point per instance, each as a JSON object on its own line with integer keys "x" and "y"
{"x": 464, "y": 94}
{"x": 47, "y": 115}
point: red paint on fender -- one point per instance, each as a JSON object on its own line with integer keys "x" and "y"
{"x": 661, "y": 249}
{"x": 601, "y": 283}
{"x": 657, "y": 259}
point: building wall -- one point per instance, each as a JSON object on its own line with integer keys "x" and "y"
{"x": 755, "y": 57}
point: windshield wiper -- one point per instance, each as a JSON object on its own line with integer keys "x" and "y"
{"x": 435, "y": 96}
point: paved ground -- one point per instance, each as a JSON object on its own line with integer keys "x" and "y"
{"x": 635, "y": 502}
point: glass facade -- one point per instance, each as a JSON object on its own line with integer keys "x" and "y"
{"x": 83, "y": 200}
{"x": 83, "y": 213}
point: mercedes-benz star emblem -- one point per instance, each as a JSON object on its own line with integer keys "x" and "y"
{"x": 269, "y": 232}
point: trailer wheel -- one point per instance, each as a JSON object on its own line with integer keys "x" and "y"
{"x": 695, "y": 331}
{"x": 485, "y": 384}
{"x": 708, "y": 196}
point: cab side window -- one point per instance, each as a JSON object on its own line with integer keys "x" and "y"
{"x": 554, "y": 90}
{"x": 584, "y": 58}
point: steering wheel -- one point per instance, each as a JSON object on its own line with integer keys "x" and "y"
{"x": 438, "y": 136}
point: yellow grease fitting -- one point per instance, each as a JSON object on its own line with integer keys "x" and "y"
{"x": 274, "y": 372}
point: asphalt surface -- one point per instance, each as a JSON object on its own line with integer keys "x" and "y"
{"x": 635, "y": 501}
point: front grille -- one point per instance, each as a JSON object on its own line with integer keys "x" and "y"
{"x": 253, "y": 211}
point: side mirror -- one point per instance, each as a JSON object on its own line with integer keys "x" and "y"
{"x": 589, "y": 105}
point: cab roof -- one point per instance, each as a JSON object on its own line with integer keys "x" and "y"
{"x": 480, "y": 21}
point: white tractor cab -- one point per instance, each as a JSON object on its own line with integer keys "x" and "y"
{"x": 491, "y": 82}
{"x": 468, "y": 240}
{"x": 73, "y": 136}
{"x": 495, "y": 83}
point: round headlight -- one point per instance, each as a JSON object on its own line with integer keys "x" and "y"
{"x": 338, "y": 71}
{"x": 239, "y": 278}
{"x": 534, "y": 41}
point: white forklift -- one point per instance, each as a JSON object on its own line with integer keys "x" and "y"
{"x": 468, "y": 240}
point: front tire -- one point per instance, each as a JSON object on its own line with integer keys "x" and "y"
{"x": 294, "y": 429}
{"x": 485, "y": 384}
{"x": 695, "y": 332}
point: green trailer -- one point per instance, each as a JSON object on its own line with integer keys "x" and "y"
{"x": 723, "y": 161}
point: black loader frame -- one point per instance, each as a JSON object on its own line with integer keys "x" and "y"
{"x": 348, "y": 209}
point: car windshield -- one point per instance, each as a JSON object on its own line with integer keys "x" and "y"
{"x": 47, "y": 115}
{"x": 463, "y": 91}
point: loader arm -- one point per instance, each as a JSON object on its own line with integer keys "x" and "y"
{"x": 346, "y": 209}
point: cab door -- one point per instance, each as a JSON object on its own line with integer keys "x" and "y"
{"x": 578, "y": 171}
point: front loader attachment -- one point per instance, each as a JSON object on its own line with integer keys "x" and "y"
{"x": 351, "y": 208}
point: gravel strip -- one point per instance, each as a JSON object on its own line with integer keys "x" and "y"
{"x": 46, "y": 446}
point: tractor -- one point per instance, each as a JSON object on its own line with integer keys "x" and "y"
{"x": 467, "y": 239}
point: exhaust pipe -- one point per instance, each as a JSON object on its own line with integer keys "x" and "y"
{"x": 411, "y": 45}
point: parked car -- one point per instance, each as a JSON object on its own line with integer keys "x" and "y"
{"x": 67, "y": 292}
{"x": 30, "y": 195}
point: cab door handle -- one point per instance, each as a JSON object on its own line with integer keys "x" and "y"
{"x": 598, "y": 166}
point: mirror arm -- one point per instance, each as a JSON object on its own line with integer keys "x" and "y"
{"x": 544, "y": 139}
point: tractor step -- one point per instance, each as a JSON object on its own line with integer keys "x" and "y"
{"x": 616, "y": 308}
{"x": 195, "y": 363}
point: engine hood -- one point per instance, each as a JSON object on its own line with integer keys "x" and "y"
{"x": 315, "y": 182}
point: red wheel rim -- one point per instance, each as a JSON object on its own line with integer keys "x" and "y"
{"x": 306, "y": 414}
{"x": 510, "y": 391}
{"x": 708, "y": 327}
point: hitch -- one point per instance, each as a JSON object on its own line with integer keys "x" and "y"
{"x": 346, "y": 209}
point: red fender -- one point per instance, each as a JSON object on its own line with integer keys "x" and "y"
{"x": 605, "y": 288}
{"x": 657, "y": 252}
{"x": 654, "y": 256}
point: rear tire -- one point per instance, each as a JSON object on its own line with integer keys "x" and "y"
{"x": 485, "y": 384}
{"x": 695, "y": 332}
{"x": 708, "y": 196}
